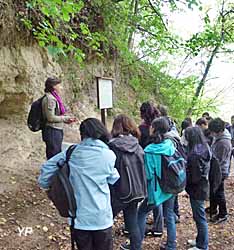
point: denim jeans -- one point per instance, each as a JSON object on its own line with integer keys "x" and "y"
{"x": 168, "y": 211}
{"x": 143, "y": 211}
{"x": 131, "y": 222}
{"x": 199, "y": 215}
{"x": 158, "y": 219}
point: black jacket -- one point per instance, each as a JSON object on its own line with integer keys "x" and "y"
{"x": 145, "y": 135}
{"x": 130, "y": 164}
{"x": 198, "y": 167}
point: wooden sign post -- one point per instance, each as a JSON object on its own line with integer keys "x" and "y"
{"x": 104, "y": 95}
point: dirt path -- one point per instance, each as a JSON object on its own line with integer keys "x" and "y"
{"x": 28, "y": 221}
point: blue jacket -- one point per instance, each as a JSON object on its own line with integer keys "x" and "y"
{"x": 153, "y": 154}
{"x": 91, "y": 170}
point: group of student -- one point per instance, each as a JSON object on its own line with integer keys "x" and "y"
{"x": 113, "y": 172}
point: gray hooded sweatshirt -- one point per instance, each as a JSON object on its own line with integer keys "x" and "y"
{"x": 221, "y": 150}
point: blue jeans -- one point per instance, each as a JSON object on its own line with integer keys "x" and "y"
{"x": 158, "y": 219}
{"x": 143, "y": 211}
{"x": 199, "y": 216}
{"x": 130, "y": 217}
{"x": 168, "y": 211}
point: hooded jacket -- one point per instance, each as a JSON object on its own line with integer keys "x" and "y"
{"x": 221, "y": 150}
{"x": 130, "y": 164}
{"x": 198, "y": 167}
{"x": 153, "y": 167}
{"x": 91, "y": 170}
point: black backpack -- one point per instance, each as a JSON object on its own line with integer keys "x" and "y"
{"x": 61, "y": 191}
{"x": 35, "y": 119}
{"x": 173, "y": 173}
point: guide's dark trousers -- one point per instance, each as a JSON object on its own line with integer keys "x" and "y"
{"x": 53, "y": 138}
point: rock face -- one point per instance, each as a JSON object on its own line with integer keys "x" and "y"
{"x": 23, "y": 71}
{"x": 24, "y": 67}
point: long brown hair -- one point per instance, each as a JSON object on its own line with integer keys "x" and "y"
{"x": 124, "y": 125}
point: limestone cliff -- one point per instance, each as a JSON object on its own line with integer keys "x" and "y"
{"x": 24, "y": 67}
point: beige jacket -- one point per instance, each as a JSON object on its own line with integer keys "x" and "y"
{"x": 51, "y": 112}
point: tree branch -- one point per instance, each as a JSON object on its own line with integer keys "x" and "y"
{"x": 209, "y": 62}
{"x": 158, "y": 14}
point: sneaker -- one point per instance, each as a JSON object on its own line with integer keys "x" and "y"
{"x": 194, "y": 248}
{"x": 148, "y": 232}
{"x": 125, "y": 246}
{"x": 125, "y": 231}
{"x": 156, "y": 234}
{"x": 218, "y": 219}
{"x": 192, "y": 243}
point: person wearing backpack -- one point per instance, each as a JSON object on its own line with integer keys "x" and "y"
{"x": 198, "y": 167}
{"x": 148, "y": 113}
{"x": 130, "y": 189}
{"x": 158, "y": 147}
{"x": 53, "y": 111}
{"x": 91, "y": 171}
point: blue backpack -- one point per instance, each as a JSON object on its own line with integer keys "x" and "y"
{"x": 173, "y": 174}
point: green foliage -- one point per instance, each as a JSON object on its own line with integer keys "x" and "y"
{"x": 216, "y": 33}
{"x": 151, "y": 82}
{"x": 57, "y": 25}
{"x": 136, "y": 33}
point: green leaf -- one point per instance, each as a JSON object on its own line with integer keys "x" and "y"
{"x": 41, "y": 43}
{"x": 84, "y": 29}
{"x": 66, "y": 16}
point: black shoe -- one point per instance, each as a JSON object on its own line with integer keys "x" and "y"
{"x": 153, "y": 233}
{"x": 216, "y": 219}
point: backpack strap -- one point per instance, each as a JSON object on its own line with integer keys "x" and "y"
{"x": 68, "y": 155}
{"x": 69, "y": 152}
{"x": 72, "y": 234}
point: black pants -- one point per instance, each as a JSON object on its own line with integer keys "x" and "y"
{"x": 53, "y": 138}
{"x": 93, "y": 240}
{"x": 218, "y": 200}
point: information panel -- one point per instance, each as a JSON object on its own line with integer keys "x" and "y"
{"x": 104, "y": 89}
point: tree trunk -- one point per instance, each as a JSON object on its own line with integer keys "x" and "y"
{"x": 209, "y": 62}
